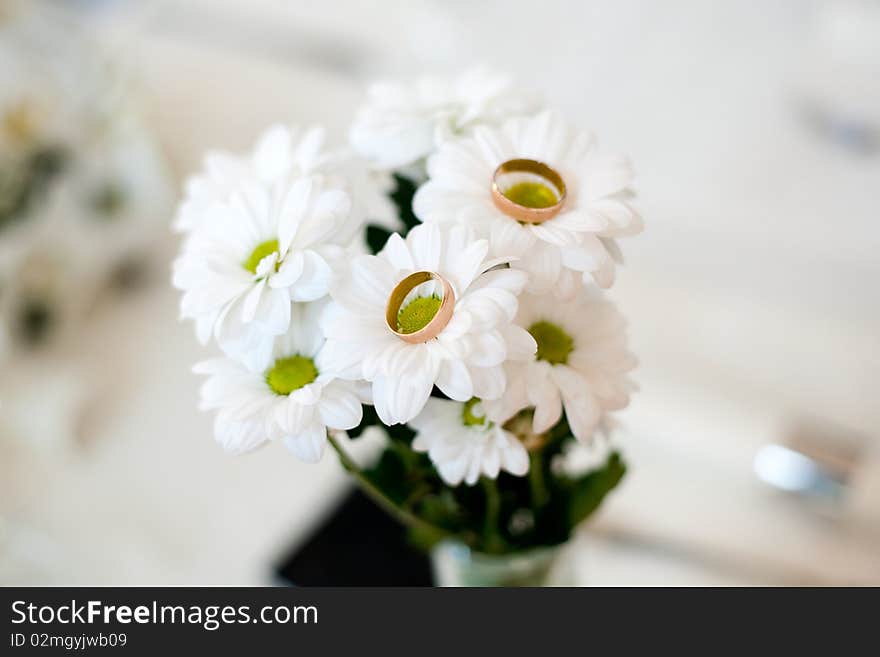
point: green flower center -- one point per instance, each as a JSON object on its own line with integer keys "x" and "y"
{"x": 532, "y": 194}
{"x": 554, "y": 344}
{"x": 266, "y": 248}
{"x": 469, "y": 418}
{"x": 289, "y": 374}
{"x": 417, "y": 314}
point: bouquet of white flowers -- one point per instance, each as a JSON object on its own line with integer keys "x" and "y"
{"x": 470, "y": 322}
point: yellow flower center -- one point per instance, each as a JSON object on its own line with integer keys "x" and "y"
{"x": 554, "y": 344}
{"x": 253, "y": 260}
{"x": 532, "y": 194}
{"x": 417, "y": 314}
{"x": 289, "y": 374}
{"x": 469, "y": 418}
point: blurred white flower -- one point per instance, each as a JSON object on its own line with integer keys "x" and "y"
{"x": 403, "y": 123}
{"x": 463, "y": 444}
{"x": 582, "y": 364}
{"x": 464, "y": 360}
{"x": 266, "y": 246}
{"x": 83, "y": 187}
{"x": 559, "y": 253}
{"x": 280, "y": 154}
{"x": 295, "y": 399}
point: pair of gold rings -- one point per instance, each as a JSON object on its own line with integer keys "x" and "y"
{"x": 517, "y": 211}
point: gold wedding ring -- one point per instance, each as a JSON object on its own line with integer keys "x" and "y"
{"x": 438, "y": 321}
{"x": 528, "y": 169}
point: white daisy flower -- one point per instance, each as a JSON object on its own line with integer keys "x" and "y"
{"x": 260, "y": 250}
{"x": 556, "y": 205}
{"x": 280, "y": 154}
{"x": 402, "y": 124}
{"x": 463, "y": 444}
{"x": 581, "y": 365}
{"x": 295, "y": 399}
{"x": 404, "y": 336}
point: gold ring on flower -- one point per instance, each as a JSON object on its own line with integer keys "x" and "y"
{"x": 437, "y": 323}
{"x": 528, "y": 172}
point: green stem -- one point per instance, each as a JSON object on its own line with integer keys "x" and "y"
{"x": 402, "y": 515}
{"x": 537, "y": 486}
{"x": 491, "y": 536}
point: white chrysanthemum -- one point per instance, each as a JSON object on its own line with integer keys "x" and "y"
{"x": 402, "y": 124}
{"x": 280, "y": 154}
{"x": 463, "y": 444}
{"x": 560, "y": 252}
{"x": 464, "y": 360}
{"x": 260, "y": 250}
{"x": 581, "y": 365}
{"x": 295, "y": 399}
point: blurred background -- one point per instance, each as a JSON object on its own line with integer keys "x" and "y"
{"x": 753, "y": 446}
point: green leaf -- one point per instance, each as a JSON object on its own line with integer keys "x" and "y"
{"x": 587, "y": 492}
{"x": 424, "y": 538}
{"x": 389, "y": 474}
{"x": 440, "y": 509}
{"x": 402, "y": 196}
{"x": 376, "y": 238}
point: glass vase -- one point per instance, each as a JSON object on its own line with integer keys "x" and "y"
{"x": 455, "y": 564}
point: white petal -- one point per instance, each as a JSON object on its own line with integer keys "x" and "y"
{"x": 425, "y": 243}
{"x": 293, "y": 211}
{"x": 473, "y": 470}
{"x": 463, "y": 266}
{"x": 396, "y": 251}
{"x": 293, "y": 416}
{"x": 433, "y": 202}
{"x": 510, "y": 238}
{"x": 452, "y": 472}
{"x": 607, "y": 175}
{"x": 513, "y": 399}
{"x": 339, "y": 407}
{"x": 455, "y": 380}
{"x": 289, "y": 271}
{"x": 543, "y": 265}
{"x": 487, "y": 349}
{"x": 325, "y": 219}
{"x": 578, "y": 220}
{"x": 314, "y": 282}
{"x": 491, "y": 462}
{"x": 271, "y": 156}
{"x": 554, "y": 234}
{"x": 365, "y": 289}
{"x": 489, "y": 382}
{"x": 382, "y": 401}
{"x": 239, "y": 437}
{"x": 581, "y": 408}
{"x": 515, "y": 458}
{"x": 547, "y": 402}
{"x": 308, "y": 445}
{"x": 252, "y": 302}
{"x": 273, "y": 313}
{"x": 405, "y": 396}
{"x": 520, "y": 343}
